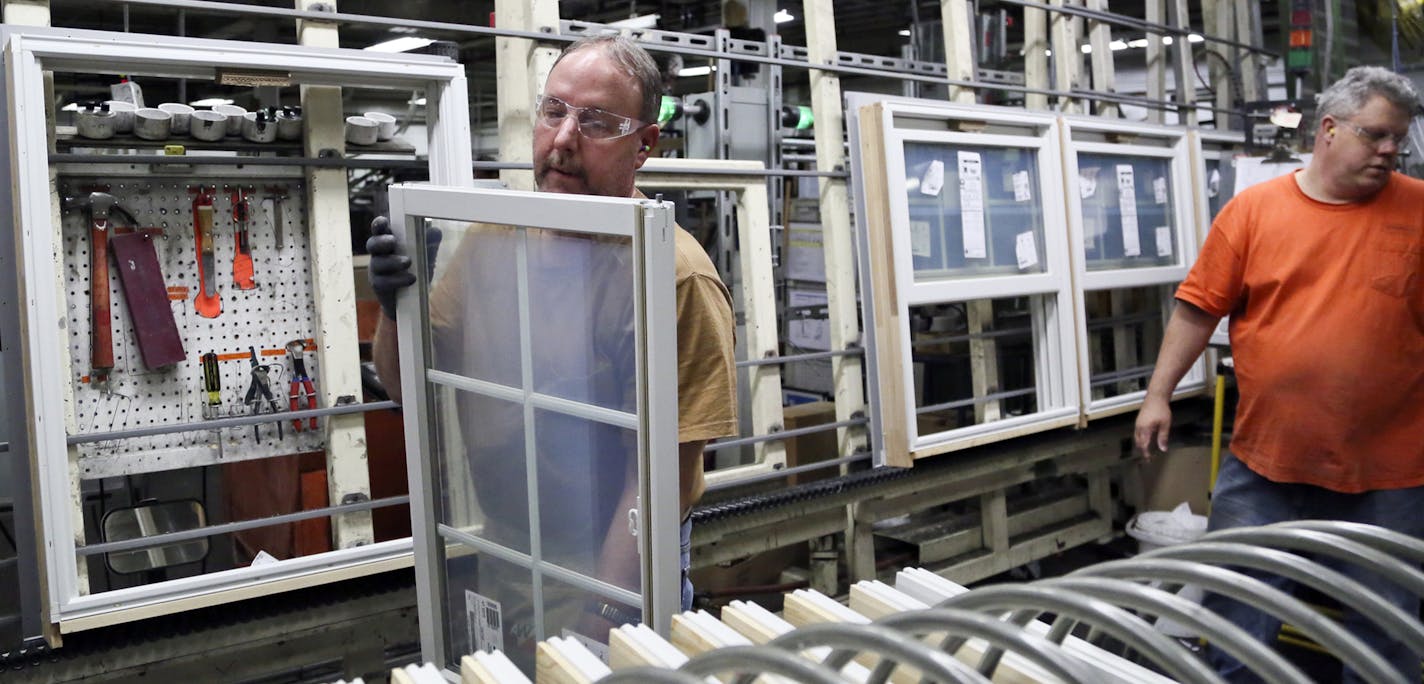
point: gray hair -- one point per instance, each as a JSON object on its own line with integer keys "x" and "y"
{"x": 1353, "y": 91}
{"x": 634, "y": 61}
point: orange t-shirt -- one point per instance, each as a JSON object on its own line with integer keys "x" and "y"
{"x": 1327, "y": 329}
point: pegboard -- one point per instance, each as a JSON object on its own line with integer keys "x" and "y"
{"x": 280, "y": 309}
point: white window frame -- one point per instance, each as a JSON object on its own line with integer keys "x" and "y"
{"x": 1051, "y": 290}
{"x": 1185, "y": 208}
{"x": 649, "y": 225}
{"x": 29, "y": 53}
{"x": 758, "y": 292}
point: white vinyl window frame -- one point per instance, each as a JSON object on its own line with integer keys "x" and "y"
{"x": 758, "y": 292}
{"x": 1173, "y": 145}
{"x": 29, "y": 53}
{"x": 1211, "y": 146}
{"x": 650, "y": 228}
{"x": 1050, "y": 290}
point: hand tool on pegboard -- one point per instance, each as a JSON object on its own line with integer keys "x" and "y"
{"x": 101, "y": 331}
{"x": 301, "y": 388}
{"x": 212, "y": 387}
{"x": 242, "y": 245}
{"x": 278, "y": 194}
{"x": 261, "y": 385}
{"x": 208, "y": 303}
{"x": 155, "y": 330}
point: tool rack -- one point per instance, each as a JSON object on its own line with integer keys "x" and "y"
{"x": 149, "y": 419}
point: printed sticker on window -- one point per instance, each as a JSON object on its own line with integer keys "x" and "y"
{"x": 1159, "y": 190}
{"x": 483, "y": 623}
{"x": 1025, "y": 250}
{"x": 920, "y": 238}
{"x": 1164, "y": 241}
{"x": 933, "y": 180}
{"x": 1022, "y": 193}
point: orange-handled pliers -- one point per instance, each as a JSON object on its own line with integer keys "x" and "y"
{"x": 301, "y": 393}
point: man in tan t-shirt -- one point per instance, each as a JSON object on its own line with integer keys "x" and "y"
{"x": 593, "y": 129}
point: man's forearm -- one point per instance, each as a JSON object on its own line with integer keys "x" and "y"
{"x": 385, "y": 354}
{"x": 1188, "y": 332}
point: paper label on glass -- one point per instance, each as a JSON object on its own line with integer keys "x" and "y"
{"x": 920, "y": 238}
{"x": 971, "y": 204}
{"x": 1026, "y": 250}
{"x": 1213, "y": 183}
{"x": 806, "y": 329}
{"x": 1022, "y": 193}
{"x": 595, "y": 647}
{"x": 1087, "y": 182}
{"x": 1164, "y": 241}
{"x": 483, "y": 623}
{"x": 1127, "y": 206}
{"x": 933, "y": 180}
{"x": 1159, "y": 190}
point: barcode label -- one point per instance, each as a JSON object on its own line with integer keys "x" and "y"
{"x": 483, "y": 623}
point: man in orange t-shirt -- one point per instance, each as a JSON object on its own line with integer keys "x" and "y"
{"x": 1322, "y": 273}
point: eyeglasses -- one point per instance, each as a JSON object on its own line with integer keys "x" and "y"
{"x": 1377, "y": 138}
{"x": 592, "y": 122}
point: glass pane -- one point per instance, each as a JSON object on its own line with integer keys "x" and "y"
{"x": 974, "y": 211}
{"x": 1124, "y": 334}
{"x": 480, "y": 460}
{"x": 974, "y": 362}
{"x": 580, "y": 289}
{"x": 1128, "y": 218}
{"x": 547, "y": 318}
{"x": 489, "y": 605}
{"x": 584, "y": 469}
{"x": 570, "y": 611}
{"x": 1220, "y": 183}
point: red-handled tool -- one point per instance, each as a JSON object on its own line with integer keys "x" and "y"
{"x": 242, "y": 247}
{"x": 208, "y": 303}
{"x": 301, "y": 393}
{"x": 101, "y": 357}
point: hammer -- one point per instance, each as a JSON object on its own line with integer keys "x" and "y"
{"x": 101, "y": 356}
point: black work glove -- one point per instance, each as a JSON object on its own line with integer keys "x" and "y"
{"x": 390, "y": 267}
{"x": 389, "y": 270}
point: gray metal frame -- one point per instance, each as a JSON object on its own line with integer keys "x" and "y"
{"x": 650, "y": 226}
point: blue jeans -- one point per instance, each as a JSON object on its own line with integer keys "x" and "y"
{"x": 684, "y": 534}
{"x": 1243, "y": 498}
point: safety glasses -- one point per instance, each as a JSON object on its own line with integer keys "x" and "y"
{"x": 592, "y": 122}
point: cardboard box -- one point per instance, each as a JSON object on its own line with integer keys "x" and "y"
{"x": 814, "y": 447}
{"x": 1184, "y": 474}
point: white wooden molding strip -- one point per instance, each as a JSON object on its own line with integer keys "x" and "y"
{"x": 565, "y": 661}
{"x": 760, "y": 625}
{"x": 486, "y": 667}
{"x": 636, "y": 645}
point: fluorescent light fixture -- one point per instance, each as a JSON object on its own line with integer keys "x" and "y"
{"x": 645, "y": 21}
{"x": 782, "y": 16}
{"x": 402, "y": 44}
{"x": 419, "y": 102}
{"x": 695, "y": 71}
{"x": 1086, "y": 49}
{"x": 1195, "y": 38}
{"x": 1139, "y": 43}
{"x": 210, "y": 101}
{"x": 905, "y": 32}
{"x": 1117, "y": 45}
{"x": 1166, "y": 40}
{"x": 71, "y": 107}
